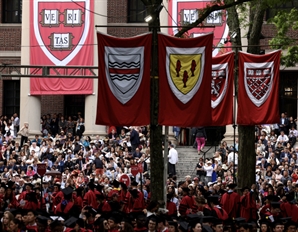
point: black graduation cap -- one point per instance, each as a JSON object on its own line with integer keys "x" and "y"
{"x": 55, "y": 223}
{"x": 193, "y": 216}
{"x": 275, "y": 205}
{"x": 3, "y": 185}
{"x": 134, "y": 183}
{"x": 232, "y": 186}
{"x": 57, "y": 185}
{"x": 71, "y": 222}
{"x": 170, "y": 195}
{"x": 80, "y": 222}
{"x": 31, "y": 211}
{"x": 228, "y": 223}
{"x": 79, "y": 190}
{"x": 10, "y": 184}
{"x": 194, "y": 221}
{"x": 152, "y": 217}
{"x": 172, "y": 223}
{"x": 31, "y": 196}
{"x": 244, "y": 188}
{"x": 291, "y": 223}
{"x": 99, "y": 187}
{"x": 134, "y": 193}
{"x": 115, "y": 183}
{"x": 289, "y": 197}
{"x": 30, "y": 185}
{"x": 285, "y": 220}
{"x": 92, "y": 211}
{"x": 67, "y": 191}
{"x": 206, "y": 219}
{"x": 262, "y": 222}
{"x": 222, "y": 191}
{"x": 35, "y": 176}
{"x": 42, "y": 220}
{"x": 239, "y": 220}
{"x": 213, "y": 199}
{"x": 37, "y": 188}
{"x": 217, "y": 222}
{"x": 183, "y": 226}
{"x": 246, "y": 225}
{"x": 91, "y": 185}
{"x": 207, "y": 228}
{"x": 273, "y": 198}
{"x": 185, "y": 189}
{"x": 13, "y": 211}
{"x": 123, "y": 186}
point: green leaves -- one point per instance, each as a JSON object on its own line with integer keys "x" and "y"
{"x": 286, "y": 24}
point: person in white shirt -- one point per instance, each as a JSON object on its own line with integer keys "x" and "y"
{"x": 208, "y": 169}
{"x": 272, "y": 157}
{"x": 283, "y": 138}
{"x": 231, "y": 158}
{"x": 35, "y": 148}
{"x": 173, "y": 160}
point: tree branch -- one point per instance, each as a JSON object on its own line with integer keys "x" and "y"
{"x": 205, "y": 14}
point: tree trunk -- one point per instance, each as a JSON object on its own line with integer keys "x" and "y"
{"x": 156, "y": 155}
{"x": 246, "y": 134}
{"x": 246, "y": 156}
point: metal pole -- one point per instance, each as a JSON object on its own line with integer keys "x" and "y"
{"x": 165, "y": 170}
{"x": 234, "y": 122}
{"x": 41, "y": 190}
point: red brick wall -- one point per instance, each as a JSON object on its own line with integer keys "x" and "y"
{"x": 10, "y": 38}
{"x": 269, "y": 31}
{"x": 117, "y": 12}
{"x": 52, "y": 104}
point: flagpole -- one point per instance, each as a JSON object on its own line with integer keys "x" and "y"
{"x": 234, "y": 119}
{"x": 156, "y": 156}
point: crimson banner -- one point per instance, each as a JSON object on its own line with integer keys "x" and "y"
{"x": 258, "y": 88}
{"x": 184, "y": 86}
{"x": 185, "y": 12}
{"x": 222, "y": 89}
{"x": 61, "y": 33}
{"x": 123, "y": 80}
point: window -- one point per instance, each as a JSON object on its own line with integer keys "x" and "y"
{"x": 74, "y": 104}
{"x": 270, "y": 13}
{"x": 11, "y": 97}
{"x": 12, "y": 11}
{"x": 136, "y": 11}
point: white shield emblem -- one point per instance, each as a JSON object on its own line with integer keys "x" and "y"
{"x": 61, "y": 28}
{"x": 124, "y": 71}
{"x": 185, "y": 69}
{"x": 219, "y": 83}
{"x": 258, "y": 80}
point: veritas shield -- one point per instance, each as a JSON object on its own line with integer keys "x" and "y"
{"x": 61, "y": 29}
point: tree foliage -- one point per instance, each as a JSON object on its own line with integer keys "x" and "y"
{"x": 286, "y": 22}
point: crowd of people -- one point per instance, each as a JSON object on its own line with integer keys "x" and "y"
{"x": 91, "y": 184}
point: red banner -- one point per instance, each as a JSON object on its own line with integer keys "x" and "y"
{"x": 185, "y": 74}
{"x": 61, "y": 33}
{"x": 185, "y": 12}
{"x": 124, "y": 80}
{"x": 222, "y": 89}
{"x": 258, "y": 88}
